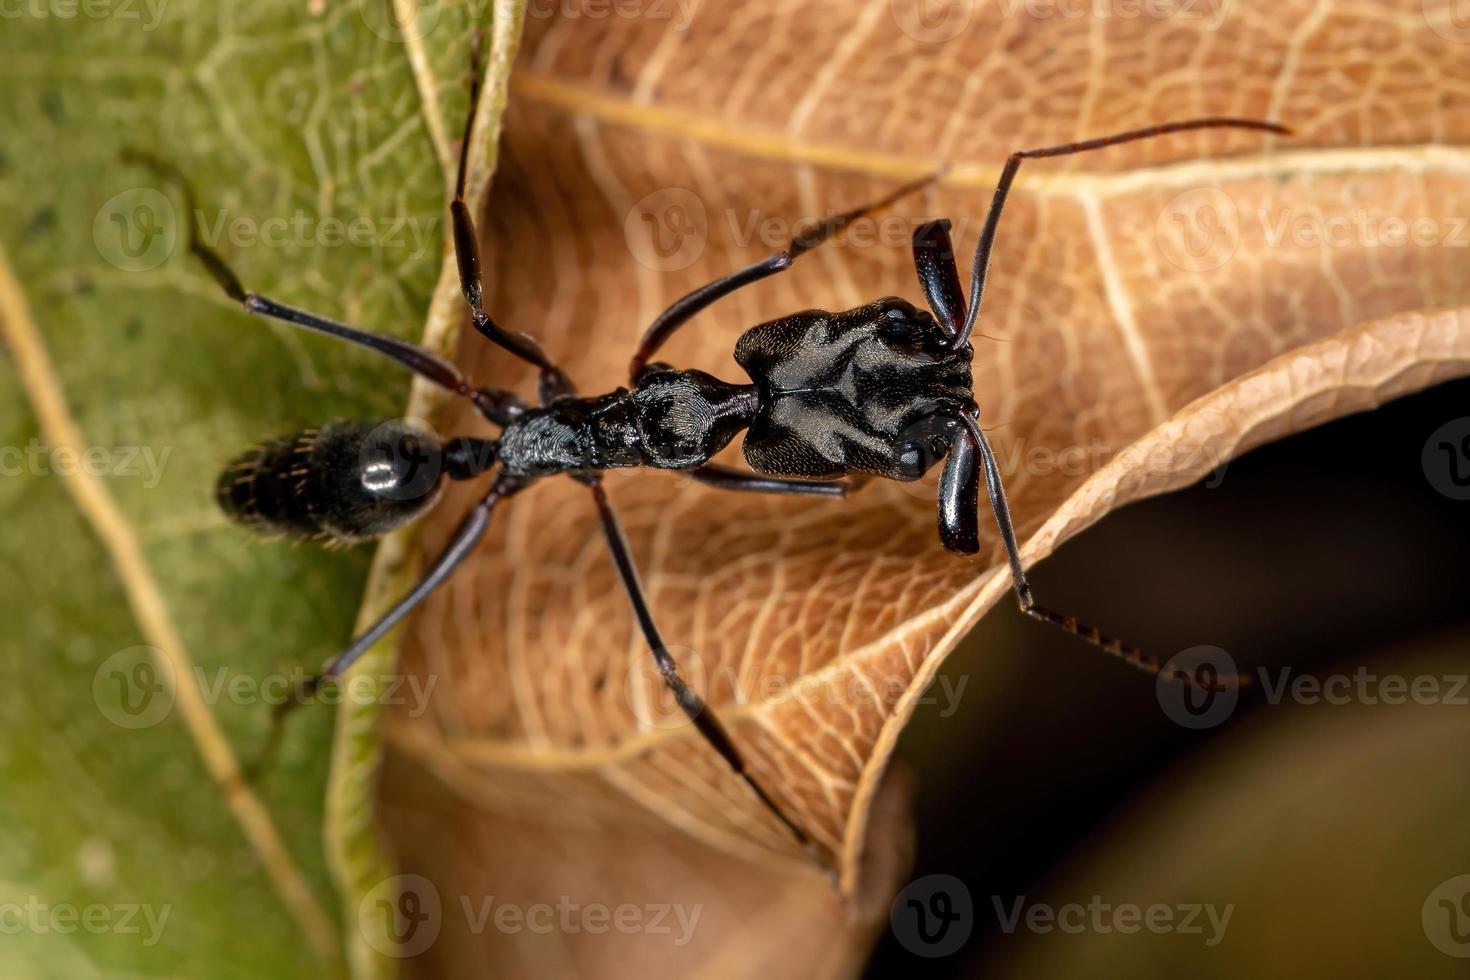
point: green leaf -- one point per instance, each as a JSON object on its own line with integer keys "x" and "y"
{"x": 140, "y": 627}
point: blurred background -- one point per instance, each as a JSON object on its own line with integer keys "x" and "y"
{"x": 1298, "y": 838}
{"x": 1327, "y": 826}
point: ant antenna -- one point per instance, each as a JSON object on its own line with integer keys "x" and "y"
{"x": 1013, "y": 163}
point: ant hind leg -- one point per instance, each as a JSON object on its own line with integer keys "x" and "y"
{"x": 466, "y": 536}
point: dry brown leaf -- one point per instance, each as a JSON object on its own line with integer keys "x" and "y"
{"x": 1133, "y": 353}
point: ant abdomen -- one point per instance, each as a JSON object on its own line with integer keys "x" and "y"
{"x": 343, "y": 481}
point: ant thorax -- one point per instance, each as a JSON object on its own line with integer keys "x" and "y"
{"x": 670, "y": 420}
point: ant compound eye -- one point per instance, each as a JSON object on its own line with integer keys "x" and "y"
{"x": 897, "y": 326}
{"x": 909, "y": 463}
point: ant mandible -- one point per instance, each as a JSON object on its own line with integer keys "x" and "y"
{"x": 880, "y": 390}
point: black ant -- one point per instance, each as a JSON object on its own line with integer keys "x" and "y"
{"x": 880, "y": 390}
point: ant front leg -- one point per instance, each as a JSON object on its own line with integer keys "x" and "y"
{"x": 689, "y": 700}
{"x": 685, "y": 308}
{"x": 959, "y": 497}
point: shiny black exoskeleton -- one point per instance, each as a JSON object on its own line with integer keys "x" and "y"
{"x": 872, "y": 390}
{"x": 881, "y": 390}
{"x": 345, "y": 481}
{"x": 875, "y": 390}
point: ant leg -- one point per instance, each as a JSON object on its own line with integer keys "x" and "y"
{"x": 1013, "y": 163}
{"x": 498, "y": 406}
{"x": 468, "y": 534}
{"x": 692, "y": 704}
{"x": 467, "y": 255}
{"x": 728, "y": 478}
{"x": 684, "y": 309}
{"x": 1063, "y": 621}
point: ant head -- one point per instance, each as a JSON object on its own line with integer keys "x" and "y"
{"x": 869, "y": 390}
{"x": 926, "y": 442}
{"x": 913, "y": 334}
